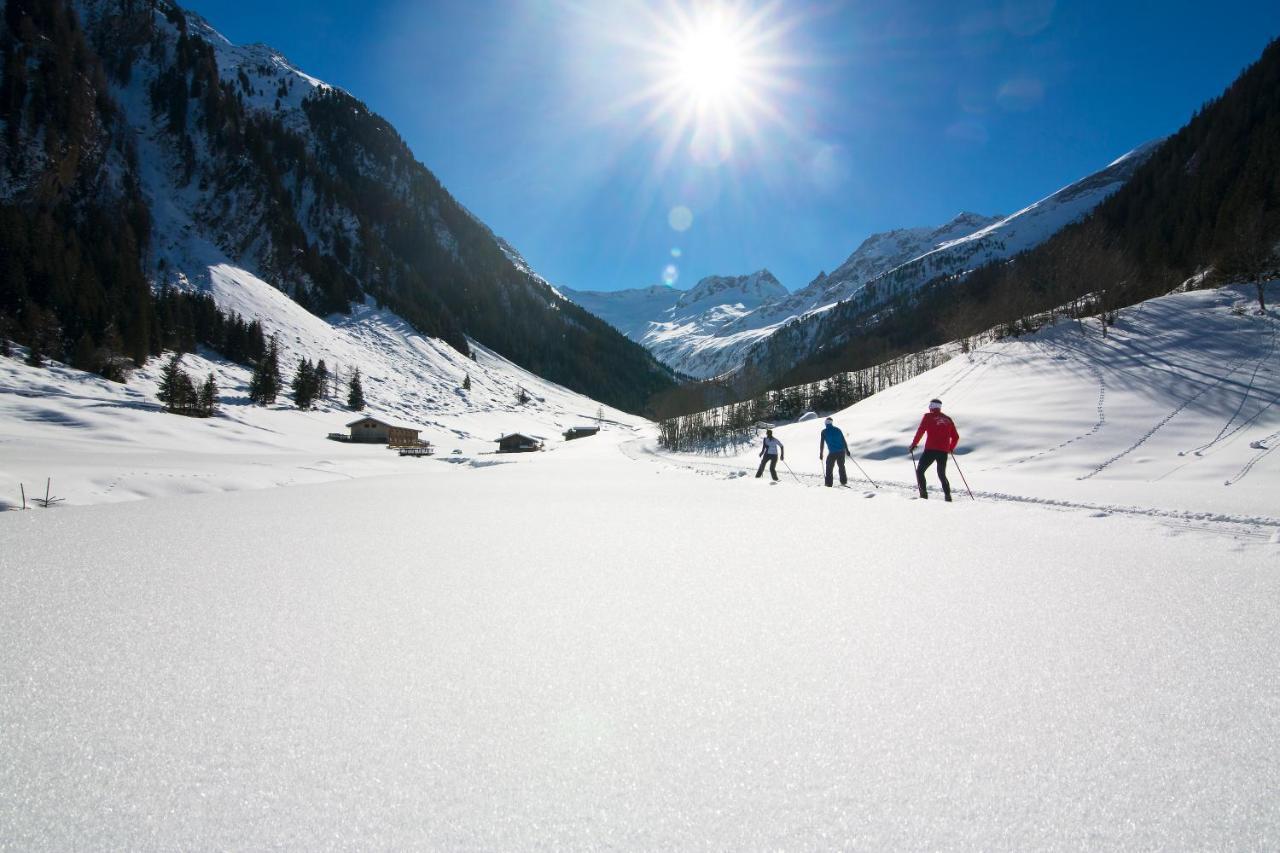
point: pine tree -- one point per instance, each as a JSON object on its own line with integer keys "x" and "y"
{"x": 264, "y": 385}
{"x": 466, "y": 382}
{"x": 304, "y": 385}
{"x": 355, "y": 396}
{"x": 208, "y": 398}
{"x": 172, "y": 390}
{"x": 322, "y": 380}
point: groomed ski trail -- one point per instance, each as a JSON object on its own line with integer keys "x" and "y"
{"x": 1258, "y": 528}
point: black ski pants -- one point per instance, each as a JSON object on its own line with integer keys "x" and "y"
{"x": 772, "y": 461}
{"x": 834, "y": 458}
{"x": 928, "y": 458}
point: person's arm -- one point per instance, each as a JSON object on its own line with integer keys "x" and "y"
{"x": 820, "y": 441}
{"x": 955, "y": 436}
{"x": 782, "y": 451}
{"x": 763, "y": 445}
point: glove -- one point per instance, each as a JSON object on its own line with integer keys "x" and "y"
{"x": 913, "y": 449}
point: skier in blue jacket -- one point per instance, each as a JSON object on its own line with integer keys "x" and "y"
{"x": 837, "y": 449}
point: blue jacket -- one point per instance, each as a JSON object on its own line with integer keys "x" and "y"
{"x": 834, "y": 439}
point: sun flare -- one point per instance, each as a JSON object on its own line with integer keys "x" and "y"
{"x": 710, "y": 61}
{"x": 714, "y": 75}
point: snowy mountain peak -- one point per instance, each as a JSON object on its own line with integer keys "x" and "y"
{"x": 749, "y": 291}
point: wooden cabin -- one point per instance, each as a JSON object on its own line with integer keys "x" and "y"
{"x": 580, "y": 432}
{"x": 371, "y": 430}
{"x": 518, "y": 443}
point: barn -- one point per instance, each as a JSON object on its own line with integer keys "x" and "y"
{"x": 371, "y": 430}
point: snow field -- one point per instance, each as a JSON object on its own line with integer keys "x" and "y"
{"x": 521, "y": 656}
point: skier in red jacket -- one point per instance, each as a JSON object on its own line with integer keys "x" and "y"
{"x": 942, "y": 438}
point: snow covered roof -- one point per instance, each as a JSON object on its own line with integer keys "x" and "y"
{"x": 378, "y": 420}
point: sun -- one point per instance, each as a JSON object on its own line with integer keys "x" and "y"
{"x": 714, "y": 73}
{"x": 710, "y": 61}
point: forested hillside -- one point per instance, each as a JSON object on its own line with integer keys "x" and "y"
{"x": 243, "y": 156}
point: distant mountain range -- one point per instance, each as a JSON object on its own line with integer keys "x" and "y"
{"x": 726, "y": 322}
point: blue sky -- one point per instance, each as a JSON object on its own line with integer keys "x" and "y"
{"x": 559, "y": 123}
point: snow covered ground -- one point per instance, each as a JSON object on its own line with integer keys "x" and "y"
{"x": 606, "y": 646}
{"x": 99, "y": 441}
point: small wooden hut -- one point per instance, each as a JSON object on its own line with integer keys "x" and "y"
{"x": 580, "y": 432}
{"x": 518, "y": 443}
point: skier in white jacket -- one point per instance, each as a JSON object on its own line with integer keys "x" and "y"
{"x": 770, "y": 451}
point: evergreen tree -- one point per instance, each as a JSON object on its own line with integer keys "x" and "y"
{"x": 355, "y": 396}
{"x": 466, "y": 382}
{"x": 170, "y": 390}
{"x": 305, "y": 387}
{"x": 177, "y": 391}
{"x": 264, "y": 385}
{"x": 322, "y": 380}
{"x": 208, "y": 398}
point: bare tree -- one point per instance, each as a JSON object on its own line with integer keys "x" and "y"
{"x": 1253, "y": 255}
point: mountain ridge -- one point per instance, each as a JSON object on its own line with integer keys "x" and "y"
{"x": 774, "y": 335}
{"x": 230, "y": 153}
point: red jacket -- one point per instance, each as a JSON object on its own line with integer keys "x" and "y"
{"x": 942, "y": 435}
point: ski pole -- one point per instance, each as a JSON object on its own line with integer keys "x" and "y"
{"x": 793, "y": 473}
{"x": 962, "y": 477}
{"x": 864, "y": 473}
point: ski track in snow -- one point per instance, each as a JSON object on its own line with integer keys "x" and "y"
{"x": 973, "y": 368}
{"x": 1259, "y": 528}
{"x": 1266, "y": 359}
{"x": 1216, "y": 381}
{"x": 1092, "y": 431}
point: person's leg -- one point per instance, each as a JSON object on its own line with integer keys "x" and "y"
{"x": 921, "y": 467}
{"x": 831, "y": 464}
{"x": 760, "y": 470}
{"x": 773, "y": 468}
{"x": 942, "y": 475}
{"x": 844, "y": 478}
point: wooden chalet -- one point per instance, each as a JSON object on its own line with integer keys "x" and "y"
{"x": 372, "y": 430}
{"x": 580, "y": 432}
{"x": 518, "y": 443}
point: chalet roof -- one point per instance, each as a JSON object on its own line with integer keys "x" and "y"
{"x": 516, "y": 435}
{"x": 378, "y": 420}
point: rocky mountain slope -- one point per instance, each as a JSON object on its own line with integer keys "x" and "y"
{"x": 223, "y": 154}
